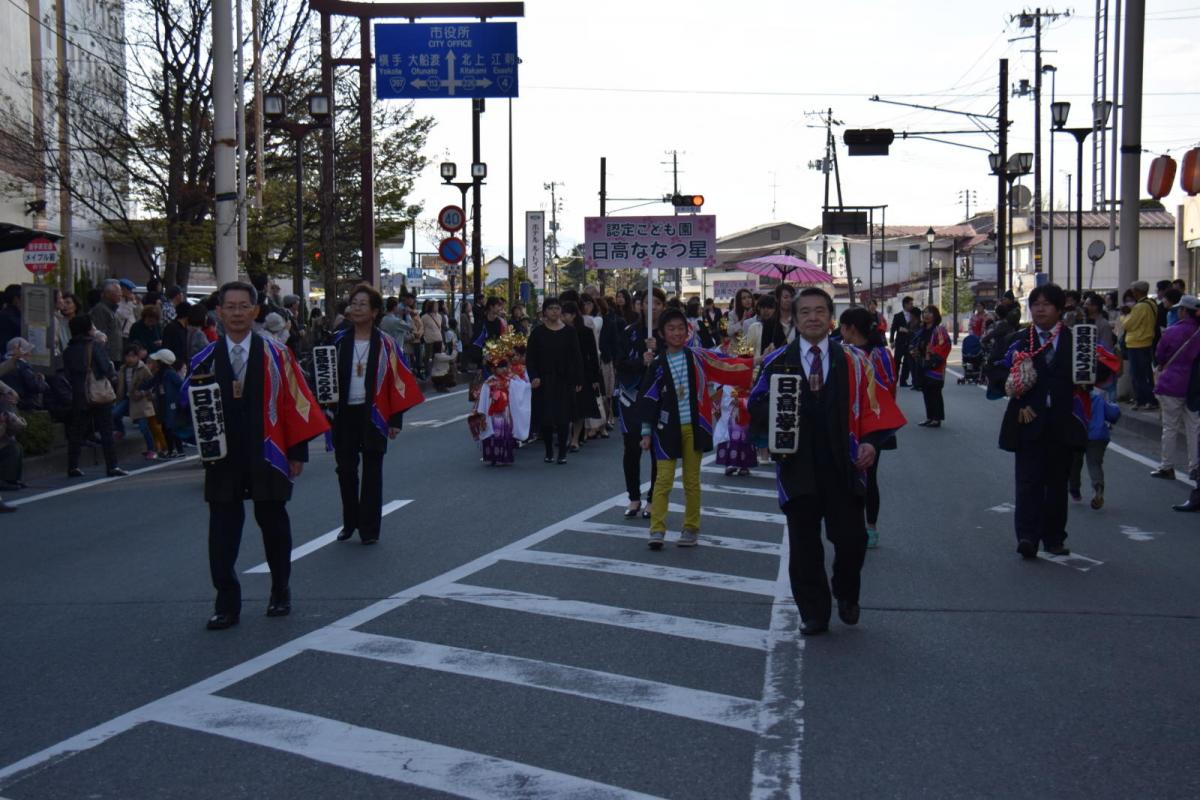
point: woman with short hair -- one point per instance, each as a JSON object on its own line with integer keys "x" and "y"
{"x": 932, "y": 345}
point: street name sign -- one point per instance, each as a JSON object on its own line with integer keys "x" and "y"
{"x": 420, "y": 61}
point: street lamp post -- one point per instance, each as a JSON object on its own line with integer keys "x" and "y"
{"x": 1058, "y": 112}
{"x": 930, "y": 238}
{"x": 319, "y": 110}
{"x": 448, "y": 171}
{"x": 1019, "y": 164}
{"x": 1053, "y": 70}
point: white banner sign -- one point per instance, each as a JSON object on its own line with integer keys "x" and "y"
{"x": 535, "y": 247}
{"x": 325, "y": 375}
{"x": 650, "y": 242}
{"x": 208, "y": 421}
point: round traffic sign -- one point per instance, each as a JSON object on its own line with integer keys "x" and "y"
{"x": 452, "y": 250}
{"x": 1095, "y": 250}
{"x": 452, "y": 219}
{"x": 41, "y": 256}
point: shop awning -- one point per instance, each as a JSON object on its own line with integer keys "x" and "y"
{"x": 15, "y": 237}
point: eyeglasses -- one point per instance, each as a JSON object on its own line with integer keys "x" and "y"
{"x": 237, "y": 308}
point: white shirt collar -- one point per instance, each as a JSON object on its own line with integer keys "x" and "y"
{"x": 245, "y": 343}
{"x": 823, "y": 345}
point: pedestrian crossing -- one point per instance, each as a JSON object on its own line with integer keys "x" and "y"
{"x": 695, "y": 650}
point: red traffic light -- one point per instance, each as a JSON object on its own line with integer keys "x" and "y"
{"x": 687, "y": 200}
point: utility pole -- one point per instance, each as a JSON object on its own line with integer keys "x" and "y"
{"x": 328, "y": 222}
{"x": 965, "y": 196}
{"x": 512, "y": 266}
{"x": 603, "y": 203}
{"x": 1131, "y": 146}
{"x": 256, "y": 44}
{"x": 477, "y": 108}
{"x": 1001, "y": 185}
{"x": 552, "y": 187}
{"x": 826, "y": 167}
{"x": 837, "y": 180}
{"x": 224, "y": 142}
{"x": 674, "y": 191}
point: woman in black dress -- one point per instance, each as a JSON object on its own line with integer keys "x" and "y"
{"x": 554, "y": 363}
{"x": 587, "y": 405}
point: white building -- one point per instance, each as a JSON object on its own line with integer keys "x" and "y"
{"x": 34, "y": 64}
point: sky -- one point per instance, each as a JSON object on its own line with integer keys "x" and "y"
{"x": 738, "y": 89}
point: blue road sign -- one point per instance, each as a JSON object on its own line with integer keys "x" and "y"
{"x": 452, "y": 250}
{"x": 421, "y": 61}
{"x": 414, "y": 273}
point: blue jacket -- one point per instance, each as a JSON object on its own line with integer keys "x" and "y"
{"x": 1104, "y": 415}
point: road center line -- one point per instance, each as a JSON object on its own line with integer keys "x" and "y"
{"x": 323, "y": 539}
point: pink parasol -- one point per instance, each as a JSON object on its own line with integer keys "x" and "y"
{"x": 787, "y": 268}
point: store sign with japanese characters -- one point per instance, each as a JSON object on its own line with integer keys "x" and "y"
{"x": 650, "y": 242}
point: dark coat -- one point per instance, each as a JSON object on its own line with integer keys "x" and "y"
{"x": 554, "y": 358}
{"x": 630, "y": 369}
{"x": 1056, "y": 423}
{"x": 372, "y": 439}
{"x": 658, "y": 406}
{"x": 244, "y": 473}
{"x": 587, "y": 404}
{"x": 75, "y": 365}
{"x": 797, "y": 475}
{"x": 900, "y": 332}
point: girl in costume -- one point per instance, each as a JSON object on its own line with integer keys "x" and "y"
{"x": 497, "y": 435}
{"x": 735, "y": 451}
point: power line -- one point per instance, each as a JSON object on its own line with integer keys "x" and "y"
{"x": 743, "y": 93}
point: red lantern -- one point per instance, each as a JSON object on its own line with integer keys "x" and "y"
{"x": 1162, "y": 175}
{"x": 1189, "y": 175}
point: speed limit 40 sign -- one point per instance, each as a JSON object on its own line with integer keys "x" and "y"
{"x": 452, "y": 219}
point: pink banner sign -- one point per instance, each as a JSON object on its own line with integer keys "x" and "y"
{"x": 650, "y": 242}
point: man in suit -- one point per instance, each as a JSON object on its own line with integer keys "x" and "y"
{"x": 267, "y": 448}
{"x": 1041, "y": 425}
{"x": 843, "y": 418}
{"x": 375, "y": 389}
{"x": 900, "y": 336}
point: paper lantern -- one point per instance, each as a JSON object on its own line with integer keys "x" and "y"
{"x": 1189, "y": 173}
{"x": 1162, "y": 175}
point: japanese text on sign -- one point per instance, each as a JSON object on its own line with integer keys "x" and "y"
{"x": 325, "y": 375}
{"x": 208, "y": 421}
{"x": 645, "y": 242}
{"x": 784, "y": 412}
{"x": 727, "y": 290}
{"x": 535, "y": 246}
{"x": 419, "y": 60}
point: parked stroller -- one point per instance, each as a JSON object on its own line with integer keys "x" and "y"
{"x": 972, "y": 360}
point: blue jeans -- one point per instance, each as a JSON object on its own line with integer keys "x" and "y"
{"x": 119, "y": 412}
{"x": 1142, "y": 375}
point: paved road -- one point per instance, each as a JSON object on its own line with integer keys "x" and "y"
{"x": 512, "y": 637}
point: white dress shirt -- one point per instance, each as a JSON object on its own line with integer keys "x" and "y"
{"x": 806, "y": 357}
{"x": 245, "y": 343}
{"x": 358, "y": 383}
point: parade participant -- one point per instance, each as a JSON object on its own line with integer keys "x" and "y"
{"x": 1102, "y": 416}
{"x": 497, "y": 436}
{"x": 1041, "y": 424}
{"x": 375, "y": 389}
{"x": 588, "y": 415}
{"x": 931, "y": 347}
{"x": 676, "y": 419}
{"x": 860, "y": 334}
{"x": 554, "y": 362}
{"x": 900, "y": 336}
{"x": 844, "y": 418}
{"x": 785, "y": 296}
{"x": 636, "y": 354}
{"x": 741, "y": 313}
{"x": 735, "y": 451}
{"x": 766, "y": 333}
{"x": 269, "y": 415}
{"x": 493, "y": 325}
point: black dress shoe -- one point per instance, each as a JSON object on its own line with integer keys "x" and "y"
{"x": 1027, "y": 549}
{"x": 16, "y": 485}
{"x": 344, "y": 534}
{"x": 1190, "y": 505}
{"x": 370, "y": 540}
{"x": 75, "y": 472}
{"x": 630, "y": 513}
{"x": 848, "y": 612}
{"x": 549, "y": 459}
{"x": 219, "y": 622}
{"x": 814, "y": 628}
{"x": 562, "y": 459}
{"x": 117, "y": 472}
{"x": 1058, "y": 550}
{"x": 280, "y": 605}
{"x": 1167, "y": 474}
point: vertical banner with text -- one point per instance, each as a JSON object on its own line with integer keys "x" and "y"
{"x": 535, "y": 248}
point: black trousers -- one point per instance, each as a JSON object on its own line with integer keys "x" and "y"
{"x": 872, "y": 502}
{"x": 82, "y": 422}
{"x": 362, "y": 502}
{"x": 225, "y": 521}
{"x": 1043, "y": 469}
{"x": 904, "y": 360}
{"x": 842, "y": 513}
{"x": 550, "y": 433}
{"x": 632, "y": 464}
{"x": 935, "y": 406}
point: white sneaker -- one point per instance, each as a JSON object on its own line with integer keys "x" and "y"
{"x": 688, "y": 538}
{"x": 656, "y": 539}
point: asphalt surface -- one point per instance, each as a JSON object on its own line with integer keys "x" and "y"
{"x": 513, "y": 637}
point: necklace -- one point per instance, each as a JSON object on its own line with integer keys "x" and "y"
{"x": 360, "y": 363}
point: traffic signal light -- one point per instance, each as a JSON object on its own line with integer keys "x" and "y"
{"x": 868, "y": 141}
{"x": 687, "y": 200}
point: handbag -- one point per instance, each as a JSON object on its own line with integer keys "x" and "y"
{"x": 97, "y": 391}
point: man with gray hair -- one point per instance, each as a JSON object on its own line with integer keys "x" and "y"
{"x": 104, "y": 317}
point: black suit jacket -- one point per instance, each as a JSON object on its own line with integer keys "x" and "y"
{"x": 369, "y": 435}
{"x": 1056, "y": 422}
{"x": 899, "y": 333}
{"x": 244, "y": 473}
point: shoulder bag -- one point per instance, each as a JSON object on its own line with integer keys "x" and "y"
{"x": 97, "y": 391}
